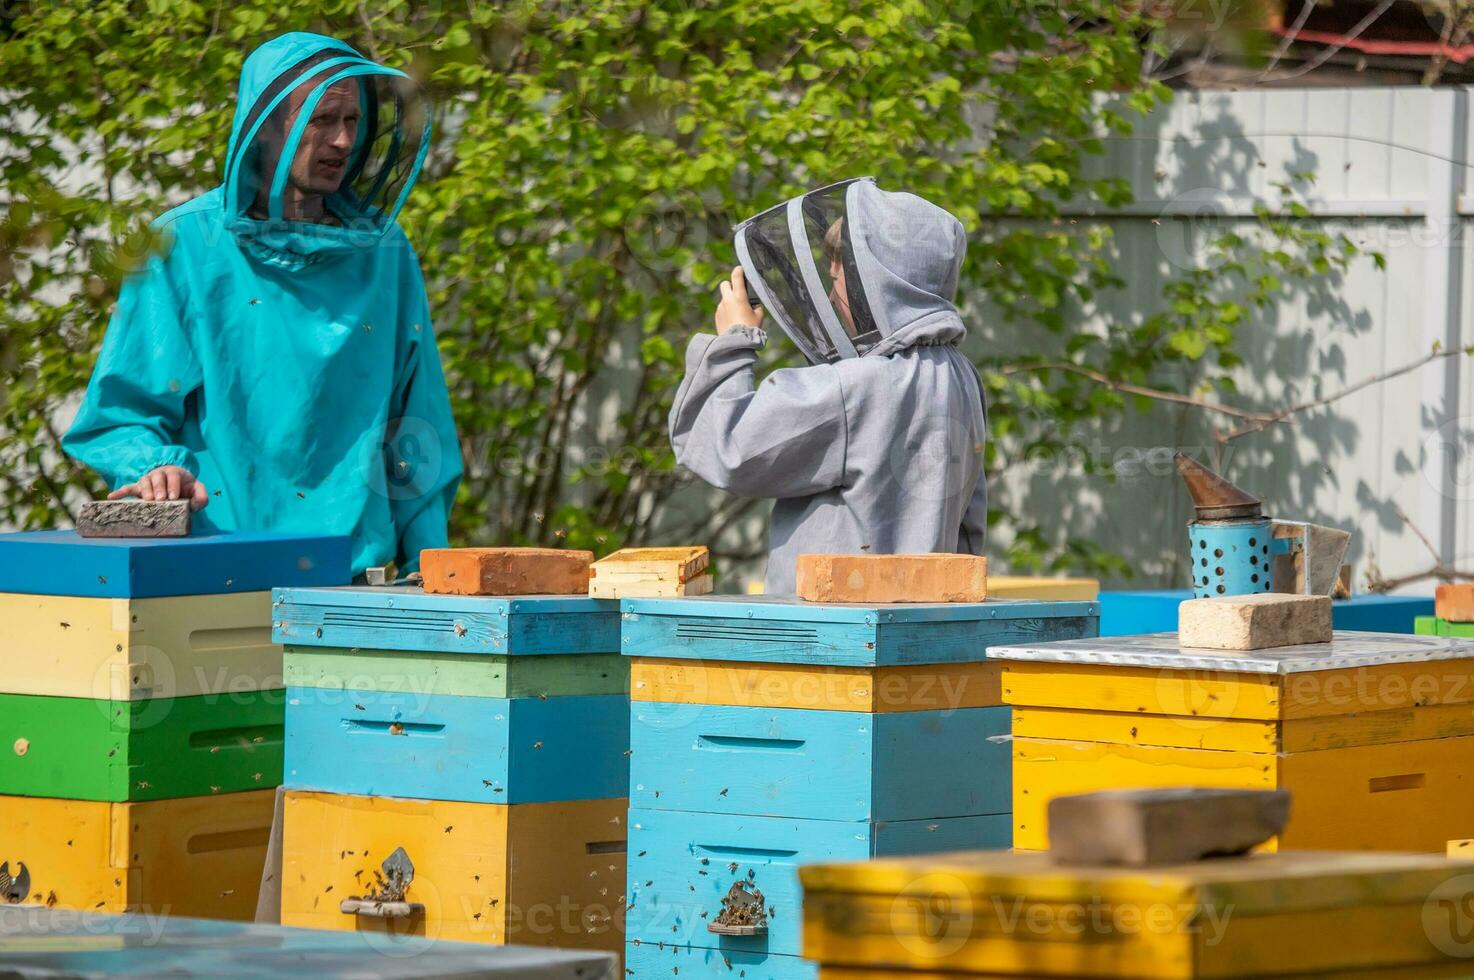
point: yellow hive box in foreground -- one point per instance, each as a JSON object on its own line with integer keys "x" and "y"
{"x": 541, "y": 874}
{"x": 130, "y": 649}
{"x": 1459, "y": 970}
{"x": 996, "y": 913}
{"x": 196, "y": 856}
{"x": 1372, "y": 734}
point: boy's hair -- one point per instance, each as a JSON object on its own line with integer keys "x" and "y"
{"x": 834, "y": 240}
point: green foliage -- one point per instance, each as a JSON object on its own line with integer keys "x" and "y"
{"x": 574, "y": 215}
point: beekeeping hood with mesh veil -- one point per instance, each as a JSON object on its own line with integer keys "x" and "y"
{"x": 278, "y": 95}
{"x": 850, "y": 270}
{"x": 877, "y": 446}
{"x": 290, "y": 364}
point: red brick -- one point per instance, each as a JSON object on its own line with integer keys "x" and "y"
{"x": 892, "y": 578}
{"x": 1454, "y": 601}
{"x": 505, "y": 571}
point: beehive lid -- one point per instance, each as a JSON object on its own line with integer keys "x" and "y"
{"x": 64, "y": 563}
{"x": 406, "y": 618}
{"x": 1347, "y": 649}
{"x": 59, "y": 942}
{"x": 794, "y": 608}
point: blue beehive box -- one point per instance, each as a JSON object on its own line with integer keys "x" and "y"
{"x": 408, "y": 619}
{"x": 64, "y": 563}
{"x": 436, "y": 740}
{"x": 449, "y": 747}
{"x": 767, "y": 733}
{"x": 1130, "y": 613}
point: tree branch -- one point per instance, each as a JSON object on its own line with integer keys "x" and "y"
{"x": 1289, "y": 38}
{"x": 1402, "y": 515}
{"x": 1375, "y": 583}
{"x": 1440, "y": 571}
{"x": 1284, "y": 413}
{"x": 1134, "y": 389}
{"x": 1333, "y": 49}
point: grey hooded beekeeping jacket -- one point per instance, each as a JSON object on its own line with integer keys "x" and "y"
{"x": 880, "y": 454}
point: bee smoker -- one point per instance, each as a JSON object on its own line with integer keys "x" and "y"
{"x": 1235, "y": 550}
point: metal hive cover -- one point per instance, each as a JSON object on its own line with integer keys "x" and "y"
{"x": 1347, "y": 649}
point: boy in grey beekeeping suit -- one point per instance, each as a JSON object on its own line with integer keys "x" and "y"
{"x": 877, "y": 446}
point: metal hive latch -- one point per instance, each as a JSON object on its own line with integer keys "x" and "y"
{"x": 14, "y": 887}
{"x": 743, "y": 913}
{"x": 386, "y": 898}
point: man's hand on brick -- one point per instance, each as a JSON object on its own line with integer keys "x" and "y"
{"x": 166, "y": 483}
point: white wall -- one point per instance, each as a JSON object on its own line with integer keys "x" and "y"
{"x": 1390, "y": 171}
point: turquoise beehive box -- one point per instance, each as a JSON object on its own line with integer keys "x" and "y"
{"x": 394, "y": 692}
{"x": 767, "y": 733}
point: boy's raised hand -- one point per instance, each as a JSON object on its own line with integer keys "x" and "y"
{"x": 733, "y": 310}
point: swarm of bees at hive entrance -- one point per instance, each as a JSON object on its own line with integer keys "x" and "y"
{"x": 742, "y": 906}
{"x": 390, "y": 888}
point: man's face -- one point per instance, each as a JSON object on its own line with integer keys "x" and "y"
{"x": 322, "y": 153}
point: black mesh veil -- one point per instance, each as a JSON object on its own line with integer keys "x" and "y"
{"x": 827, "y": 231}
{"x": 765, "y": 248}
{"x": 800, "y": 261}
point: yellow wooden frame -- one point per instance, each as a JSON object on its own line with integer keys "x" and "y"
{"x": 923, "y": 687}
{"x": 131, "y": 649}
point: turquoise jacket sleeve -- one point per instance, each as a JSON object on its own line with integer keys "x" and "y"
{"x": 424, "y": 453}
{"x": 131, "y": 417}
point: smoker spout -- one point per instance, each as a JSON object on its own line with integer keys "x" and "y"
{"x": 1214, "y": 497}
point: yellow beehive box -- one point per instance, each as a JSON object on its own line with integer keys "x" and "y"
{"x": 542, "y": 874}
{"x": 908, "y": 687}
{"x": 131, "y": 649}
{"x": 196, "y": 856}
{"x": 994, "y": 913}
{"x": 1042, "y": 587}
{"x": 653, "y": 573}
{"x": 1390, "y": 973}
{"x": 1372, "y": 734}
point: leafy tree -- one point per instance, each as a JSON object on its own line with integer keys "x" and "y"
{"x": 591, "y": 157}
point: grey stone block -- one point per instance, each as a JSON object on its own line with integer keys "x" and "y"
{"x": 133, "y": 518}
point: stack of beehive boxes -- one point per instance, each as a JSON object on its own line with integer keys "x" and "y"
{"x": 457, "y": 765}
{"x": 1371, "y": 733}
{"x": 141, "y": 716}
{"x": 771, "y": 732}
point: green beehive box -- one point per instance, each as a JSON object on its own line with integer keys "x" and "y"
{"x": 151, "y": 749}
{"x": 481, "y": 675}
{"x": 1433, "y": 626}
